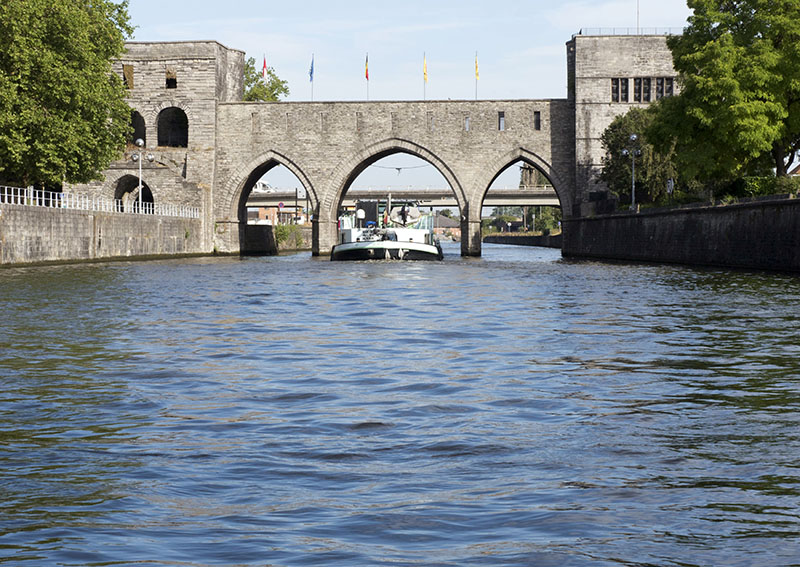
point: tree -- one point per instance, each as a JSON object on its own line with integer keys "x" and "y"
{"x": 63, "y": 115}
{"x": 446, "y": 213}
{"x": 653, "y": 168}
{"x": 258, "y": 89}
{"x": 740, "y": 78}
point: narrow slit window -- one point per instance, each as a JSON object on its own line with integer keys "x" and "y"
{"x": 646, "y": 89}
{"x": 172, "y": 78}
{"x": 466, "y": 124}
{"x": 127, "y": 76}
{"x": 614, "y": 90}
{"x": 659, "y": 88}
{"x": 623, "y": 90}
{"x": 431, "y": 123}
{"x": 537, "y": 120}
{"x": 501, "y": 121}
{"x": 637, "y": 90}
{"x": 668, "y": 86}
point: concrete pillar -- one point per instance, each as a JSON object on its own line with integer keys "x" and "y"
{"x": 324, "y": 235}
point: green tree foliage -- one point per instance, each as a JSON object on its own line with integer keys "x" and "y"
{"x": 653, "y": 168}
{"x": 258, "y": 89}
{"x": 740, "y": 78}
{"x": 63, "y": 115}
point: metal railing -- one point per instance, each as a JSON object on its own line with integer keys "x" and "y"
{"x": 30, "y": 197}
{"x": 630, "y": 31}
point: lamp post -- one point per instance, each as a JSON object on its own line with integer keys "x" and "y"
{"x": 137, "y": 157}
{"x": 634, "y": 152}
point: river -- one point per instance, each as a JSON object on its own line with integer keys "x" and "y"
{"x": 516, "y": 409}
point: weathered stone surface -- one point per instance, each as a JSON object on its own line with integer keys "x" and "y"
{"x": 35, "y": 234}
{"x": 762, "y": 235}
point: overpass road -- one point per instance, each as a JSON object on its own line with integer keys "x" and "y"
{"x": 535, "y": 196}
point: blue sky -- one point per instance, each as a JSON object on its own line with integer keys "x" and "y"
{"x": 520, "y": 43}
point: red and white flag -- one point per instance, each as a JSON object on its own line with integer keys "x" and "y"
{"x": 264, "y": 69}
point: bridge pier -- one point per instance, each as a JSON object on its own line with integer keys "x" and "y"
{"x": 325, "y": 234}
{"x": 470, "y": 237}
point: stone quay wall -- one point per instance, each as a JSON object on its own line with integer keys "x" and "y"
{"x": 543, "y": 240}
{"x": 37, "y": 235}
{"x": 762, "y": 235}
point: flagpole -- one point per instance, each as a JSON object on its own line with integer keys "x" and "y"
{"x": 476, "y": 75}
{"x": 424, "y": 77}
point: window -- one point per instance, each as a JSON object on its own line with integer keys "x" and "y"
{"x": 614, "y": 90}
{"x": 659, "y": 88}
{"x": 501, "y": 121}
{"x": 537, "y": 120}
{"x": 138, "y": 127}
{"x": 173, "y": 128}
{"x": 637, "y": 90}
{"x": 395, "y": 123}
{"x": 623, "y": 90}
{"x": 359, "y": 124}
{"x": 127, "y": 76}
{"x": 172, "y": 78}
{"x": 646, "y": 89}
{"x": 668, "y": 87}
{"x": 431, "y": 124}
{"x": 466, "y": 124}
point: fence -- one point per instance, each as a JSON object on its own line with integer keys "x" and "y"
{"x": 31, "y": 197}
{"x": 630, "y": 31}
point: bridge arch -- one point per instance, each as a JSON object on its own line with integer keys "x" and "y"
{"x": 347, "y": 171}
{"x": 502, "y": 162}
{"x": 241, "y": 183}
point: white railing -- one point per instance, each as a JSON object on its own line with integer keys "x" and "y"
{"x": 630, "y": 31}
{"x": 30, "y": 197}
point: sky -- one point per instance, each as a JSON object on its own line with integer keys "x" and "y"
{"x": 520, "y": 44}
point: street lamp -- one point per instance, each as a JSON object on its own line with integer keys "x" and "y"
{"x": 634, "y": 152}
{"x": 137, "y": 157}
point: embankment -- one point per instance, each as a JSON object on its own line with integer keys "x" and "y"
{"x": 519, "y": 239}
{"x": 762, "y": 234}
{"x": 36, "y": 234}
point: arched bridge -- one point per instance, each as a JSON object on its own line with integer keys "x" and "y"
{"x": 327, "y": 145}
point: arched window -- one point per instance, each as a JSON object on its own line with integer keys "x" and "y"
{"x": 138, "y": 127}
{"x": 173, "y": 128}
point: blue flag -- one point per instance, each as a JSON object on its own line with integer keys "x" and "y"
{"x": 311, "y": 70}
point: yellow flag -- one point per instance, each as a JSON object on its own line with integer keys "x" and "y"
{"x": 425, "y": 67}
{"x": 477, "y": 76}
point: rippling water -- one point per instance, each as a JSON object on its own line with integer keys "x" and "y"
{"x": 511, "y": 410}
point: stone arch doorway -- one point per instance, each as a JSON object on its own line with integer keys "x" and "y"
{"x": 534, "y": 171}
{"x": 350, "y": 170}
{"x": 173, "y": 128}
{"x": 126, "y": 195}
{"x": 138, "y": 127}
{"x": 297, "y": 207}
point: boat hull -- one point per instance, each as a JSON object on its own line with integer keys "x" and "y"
{"x": 386, "y": 250}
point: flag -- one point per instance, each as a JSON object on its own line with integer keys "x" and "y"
{"x": 264, "y": 68}
{"x": 477, "y": 76}
{"x": 311, "y": 70}
{"x": 425, "y": 67}
{"x": 366, "y": 68}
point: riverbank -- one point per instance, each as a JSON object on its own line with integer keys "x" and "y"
{"x": 762, "y": 234}
{"x": 34, "y": 235}
{"x": 523, "y": 239}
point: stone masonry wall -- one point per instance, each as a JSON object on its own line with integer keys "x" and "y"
{"x": 328, "y": 144}
{"x": 757, "y": 235}
{"x": 34, "y": 234}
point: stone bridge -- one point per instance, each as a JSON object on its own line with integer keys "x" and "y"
{"x": 208, "y": 148}
{"x": 327, "y": 145}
